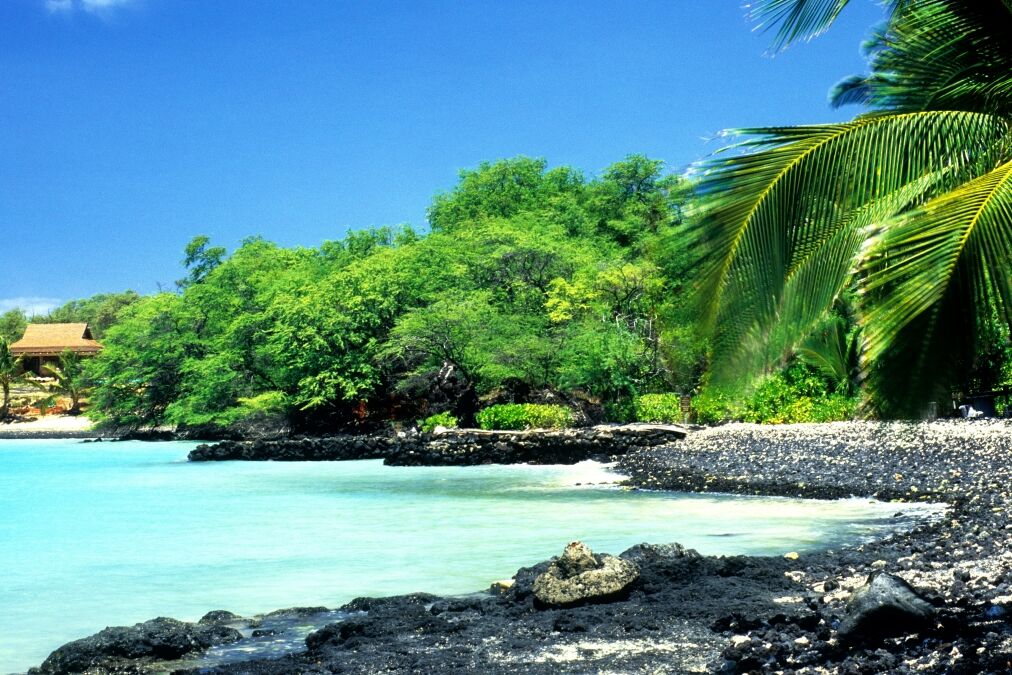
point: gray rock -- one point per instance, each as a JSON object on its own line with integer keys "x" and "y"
{"x": 885, "y": 606}
{"x": 580, "y": 576}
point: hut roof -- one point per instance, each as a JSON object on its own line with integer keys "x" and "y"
{"x": 52, "y": 339}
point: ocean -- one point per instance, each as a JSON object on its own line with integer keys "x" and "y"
{"x": 101, "y": 534}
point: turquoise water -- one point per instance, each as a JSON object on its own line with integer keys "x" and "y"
{"x": 115, "y": 533}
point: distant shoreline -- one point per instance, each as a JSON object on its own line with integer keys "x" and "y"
{"x": 51, "y": 427}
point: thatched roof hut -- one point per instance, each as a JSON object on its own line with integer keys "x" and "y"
{"x": 44, "y": 343}
{"x": 52, "y": 339}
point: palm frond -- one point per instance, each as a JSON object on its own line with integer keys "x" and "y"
{"x": 795, "y": 19}
{"x": 932, "y": 278}
{"x": 821, "y": 272}
{"x": 937, "y": 55}
{"x": 850, "y": 90}
{"x": 833, "y": 352}
{"x": 800, "y": 187}
{"x": 805, "y": 19}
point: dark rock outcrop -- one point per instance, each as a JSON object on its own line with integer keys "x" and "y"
{"x": 454, "y": 447}
{"x": 885, "y": 606}
{"x": 467, "y": 447}
{"x": 216, "y": 616}
{"x": 296, "y": 449}
{"x": 120, "y": 648}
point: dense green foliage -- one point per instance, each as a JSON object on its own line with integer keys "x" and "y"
{"x": 662, "y": 408}
{"x": 68, "y": 379}
{"x": 531, "y": 280}
{"x": 519, "y": 416}
{"x": 443, "y": 419}
{"x": 12, "y": 325}
{"x": 908, "y": 204}
{"x": 10, "y": 375}
{"x": 797, "y": 394}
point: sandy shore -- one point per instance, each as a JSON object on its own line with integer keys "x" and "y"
{"x": 51, "y": 426}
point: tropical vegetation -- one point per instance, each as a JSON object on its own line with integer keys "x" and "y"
{"x": 533, "y": 283}
{"x": 11, "y": 374}
{"x": 520, "y": 416}
{"x": 68, "y": 379}
{"x": 906, "y": 209}
{"x": 795, "y": 274}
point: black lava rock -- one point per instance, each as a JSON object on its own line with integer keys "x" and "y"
{"x": 216, "y": 616}
{"x": 885, "y": 606}
{"x": 157, "y": 639}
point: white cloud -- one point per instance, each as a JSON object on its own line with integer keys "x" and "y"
{"x": 33, "y": 306}
{"x": 55, "y": 6}
{"x": 101, "y": 7}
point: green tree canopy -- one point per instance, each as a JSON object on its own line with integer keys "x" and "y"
{"x": 523, "y": 265}
{"x": 99, "y": 311}
{"x": 12, "y": 325}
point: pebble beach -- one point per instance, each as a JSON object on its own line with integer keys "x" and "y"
{"x": 962, "y": 562}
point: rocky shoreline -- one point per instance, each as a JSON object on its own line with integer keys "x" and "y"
{"x": 454, "y": 447}
{"x": 690, "y": 613}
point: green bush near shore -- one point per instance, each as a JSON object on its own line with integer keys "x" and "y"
{"x": 443, "y": 419}
{"x": 797, "y": 395}
{"x": 519, "y": 416}
{"x": 658, "y": 408}
{"x": 714, "y": 408}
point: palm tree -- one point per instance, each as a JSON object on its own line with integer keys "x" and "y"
{"x": 70, "y": 379}
{"x": 909, "y": 204}
{"x": 10, "y": 374}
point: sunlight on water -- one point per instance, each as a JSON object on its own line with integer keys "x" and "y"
{"x": 115, "y": 533}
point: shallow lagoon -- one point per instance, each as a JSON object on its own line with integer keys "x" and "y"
{"x": 114, "y": 533}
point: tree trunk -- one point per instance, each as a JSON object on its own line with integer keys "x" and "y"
{"x": 6, "y": 400}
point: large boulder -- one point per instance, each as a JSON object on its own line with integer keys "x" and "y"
{"x": 579, "y": 576}
{"x": 885, "y": 606}
{"x": 124, "y": 646}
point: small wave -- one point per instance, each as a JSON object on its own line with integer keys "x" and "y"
{"x": 589, "y": 473}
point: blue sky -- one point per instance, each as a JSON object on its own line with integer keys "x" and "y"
{"x": 129, "y": 126}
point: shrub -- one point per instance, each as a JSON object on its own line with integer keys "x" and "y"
{"x": 518, "y": 416}
{"x": 621, "y": 411}
{"x": 796, "y": 396}
{"x": 664, "y": 408}
{"x": 443, "y": 419}
{"x": 714, "y": 408}
{"x": 835, "y": 408}
{"x": 267, "y": 403}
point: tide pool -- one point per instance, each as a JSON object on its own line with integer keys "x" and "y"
{"x": 100, "y": 534}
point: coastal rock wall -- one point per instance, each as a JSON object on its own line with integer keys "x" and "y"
{"x": 454, "y": 447}
{"x": 330, "y": 448}
{"x": 467, "y": 447}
